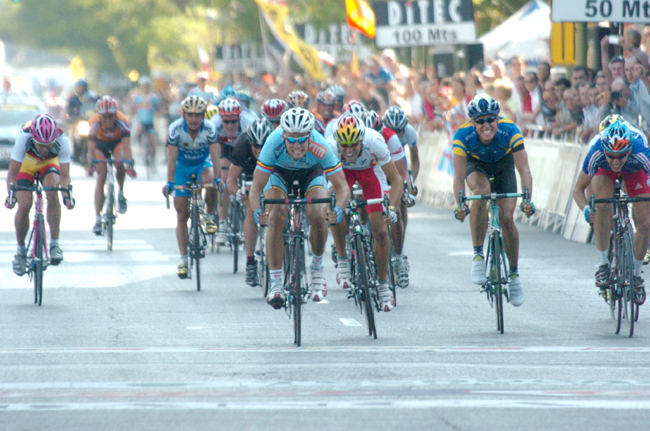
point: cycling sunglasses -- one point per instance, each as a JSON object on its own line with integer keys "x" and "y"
{"x": 349, "y": 144}
{"x": 294, "y": 140}
{"x": 619, "y": 157}
{"x": 491, "y": 119}
{"x": 41, "y": 144}
{"x": 230, "y": 121}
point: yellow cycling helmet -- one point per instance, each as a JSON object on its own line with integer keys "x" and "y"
{"x": 611, "y": 119}
{"x": 350, "y": 130}
{"x": 211, "y": 111}
{"x": 194, "y": 105}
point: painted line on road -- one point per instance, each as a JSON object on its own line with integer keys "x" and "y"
{"x": 342, "y": 349}
{"x": 336, "y": 405}
{"x": 349, "y": 322}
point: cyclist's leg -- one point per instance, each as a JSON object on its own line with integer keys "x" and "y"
{"x": 181, "y": 204}
{"x": 152, "y": 141}
{"x": 206, "y": 174}
{"x": 636, "y": 185}
{"x": 509, "y": 230}
{"x": 51, "y": 177}
{"x": 101, "y": 171}
{"x": 317, "y": 219}
{"x": 250, "y": 230}
{"x": 21, "y": 221}
{"x": 478, "y": 219}
{"x": 276, "y": 221}
{"x": 603, "y": 188}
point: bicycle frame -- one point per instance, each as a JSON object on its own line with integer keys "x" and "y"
{"x": 110, "y": 203}
{"x": 237, "y": 216}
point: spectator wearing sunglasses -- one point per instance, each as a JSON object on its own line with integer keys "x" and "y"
{"x": 491, "y": 146}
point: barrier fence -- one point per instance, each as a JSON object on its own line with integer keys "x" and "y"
{"x": 554, "y": 166}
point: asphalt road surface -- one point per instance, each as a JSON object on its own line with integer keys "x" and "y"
{"x": 121, "y": 343}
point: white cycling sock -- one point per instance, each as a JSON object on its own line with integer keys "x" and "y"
{"x": 317, "y": 262}
{"x": 604, "y": 257}
{"x": 54, "y": 242}
{"x": 276, "y": 276}
{"x": 637, "y": 266}
{"x": 22, "y": 249}
{"x": 184, "y": 258}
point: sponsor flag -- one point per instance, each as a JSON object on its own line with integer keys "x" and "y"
{"x": 361, "y": 17}
{"x": 445, "y": 164}
{"x": 275, "y": 13}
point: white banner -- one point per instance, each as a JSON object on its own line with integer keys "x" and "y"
{"x": 620, "y": 11}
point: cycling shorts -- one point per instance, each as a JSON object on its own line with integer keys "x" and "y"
{"x": 636, "y": 183}
{"x": 149, "y": 128}
{"x": 226, "y": 152}
{"x": 31, "y": 165}
{"x": 503, "y": 171}
{"x": 282, "y": 179}
{"x": 184, "y": 174}
{"x": 104, "y": 148}
{"x": 373, "y": 184}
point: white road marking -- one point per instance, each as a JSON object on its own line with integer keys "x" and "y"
{"x": 461, "y": 253}
{"x": 194, "y": 327}
{"x": 349, "y": 322}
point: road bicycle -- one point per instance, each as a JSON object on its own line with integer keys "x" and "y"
{"x": 263, "y": 276}
{"x": 496, "y": 261}
{"x": 197, "y": 241}
{"x": 109, "y": 214}
{"x": 38, "y": 258}
{"x": 236, "y": 222}
{"x": 620, "y": 293}
{"x": 295, "y": 282}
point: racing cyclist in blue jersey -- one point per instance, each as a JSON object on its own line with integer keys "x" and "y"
{"x": 491, "y": 146}
{"x": 192, "y": 150}
{"x": 618, "y": 153}
{"x": 146, "y": 104}
{"x": 296, "y": 152}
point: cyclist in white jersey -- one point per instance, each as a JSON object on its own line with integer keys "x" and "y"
{"x": 296, "y": 152}
{"x": 229, "y": 124}
{"x": 191, "y": 150}
{"x": 366, "y": 160}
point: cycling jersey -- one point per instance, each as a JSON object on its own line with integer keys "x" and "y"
{"x": 274, "y": 154}
{"x": 25, "y": 146}
{"x": 507, "y": 140}
{"x": 146, "y": 106}
{"x": 228, "y": 143}
{"x": 374, "y": 153}
{"x": 638, "y": 160}
{"x": 247, "y": 115}
{"x": 242, "y": 155}
{"x": 393, "y": 143}
{"x": 409, "y": 137}
{"x": 192, "y": 152}
{"x": 331, "y": 126}
{"x": 112, "y": 136}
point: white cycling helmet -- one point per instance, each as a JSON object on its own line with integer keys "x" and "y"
{"x": 297, "y": 120}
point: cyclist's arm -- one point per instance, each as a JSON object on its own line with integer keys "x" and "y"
{"x": 259, "y": 181}
{"x": 172, "y": 156}
{"x": 233, "y": 173}
{"x": 460, "y": 172}
{"x": 92, "y": 146}
{"x": 415, "y": 161}
{"x": 12, "y": 174}
{"x": 579, "y": 190}
{"x": 215, "y": 154}
{"x": 521, "y": 163}
{"x": 396, "y": 185}
{"x": 126, "y": 144}
{"x": 400, "y": 165}
{"x": 65, "y": 174}
{"x": 340, "y": 186}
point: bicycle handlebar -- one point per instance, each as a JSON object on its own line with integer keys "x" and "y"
{"x": 492, "y": 196}
{"x": 15, "y": 187}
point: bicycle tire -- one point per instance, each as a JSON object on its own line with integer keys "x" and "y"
{"x": 39, "y": 262}
{"x": 235, "y": 236}
{"x": 296, "y": 290}
{"x": 109, "y": 217}
{"x": 196, "y": 245}
{"x": 362, "y": 268}
{"x": 391, "y": 269}
{"x": 628, "y": 282}
{"x": 495, "y": 279}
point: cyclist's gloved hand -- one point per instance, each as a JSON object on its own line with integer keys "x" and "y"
{"x": 256, "y": 215}
{"x": 392, "y": 215}
{"x": 409, "y": 200}
{"x": 68, "y": 201}
{"x": 130, "y": 165}
{"x": 10, "y": 203}
{"x": 168, "y": 188}
{"x": 339, "y": 214}
{"x": 587, "y": 212}
{"x": 461, "y": 211}
{"x": 528, "y": 208}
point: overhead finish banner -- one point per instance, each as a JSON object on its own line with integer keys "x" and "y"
{"x": 623, "y": 11}
{"x": 275, "y": 13}
{"x": 401, "y": 24}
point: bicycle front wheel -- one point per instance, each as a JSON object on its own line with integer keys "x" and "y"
{"x": 496, "y": 275}
{"x": 298, "y": 280}
{"x": 364, "y": 280}
{"x": 109, "y": 218}
{"x": 196, "y": 245}
{"x": 628, "y": 286}
{"x": 39, "y": 264}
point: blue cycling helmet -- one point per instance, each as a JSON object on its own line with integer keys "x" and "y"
{"x": 227, "y": 91}
{"x": 482, "y": 105}
{"x": 616, "y": 138}
{"x": 245, "y": 95}
{"x": 395, "y": 118}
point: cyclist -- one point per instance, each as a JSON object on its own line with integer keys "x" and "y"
{"x": 396, "y": 120}
{"x": 146, "y": 104}
{"x": 244, "y": 159}
{"x": 41, "y": 147}
{"x": 245, "y": 98}
{"x": 353, "y": 106}
{"x": 297, "y": 152}
{"x": 324, "y": 106}
{"x": 191, "y": 150}
{"x": 199, "y": 90}
{"x": 491, "y": 146}
{"x": 109, "y": 133}
{"x": 229, "y": 125}
{"x": 366, "y": 160}
{"x": 339, "y": 97}
{"x": 273, "y": 109}
{"x": 619, "y": 153}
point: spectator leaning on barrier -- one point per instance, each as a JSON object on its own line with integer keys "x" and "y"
{"x": 620, "y": 103}
{"x": 516, "y": 69}
{"x": 543, "y": 73}
{"x": 589, "y": 112}
{"x": 549, "y": 109}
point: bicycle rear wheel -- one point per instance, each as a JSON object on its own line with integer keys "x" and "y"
{"x": 196, "y": 245}
{"x": 496, "y": 269}
{"x": 296, "y": 289}
{"x": 39, "y": 264}
{"x": 109, "y": 217}
{"x": 362, "y": 270}
{"x": 628, "y": 283}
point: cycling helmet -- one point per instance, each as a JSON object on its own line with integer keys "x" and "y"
{"x": 616, "y": 138}
{"x": 395, "y": 118}
{"x": 44, "y": 129}
{"x": 272, "y": 109}
{"x": 373, "y": 120}
{"x": 325, "y": 97}
{"x": 297, "y": 120}
{"x": 350, "y": 129}
{"x": 193, "y": 105}
{"x": 81, "y": 82}
{"x": 337, "y": 91}
{"x": 106, "y": 105}
{"x": 258, "y": 131}
{"x": 481, "y": 105}
{"x": 226, "y": 92}
{"x": 229, "y": 108}
{"x": 354, "y": 107}
{"x": 245, "y": 95}
{"x": 211, "y": 111}
{"x": 611, "y": 119}
{"x": 298, "y": 99}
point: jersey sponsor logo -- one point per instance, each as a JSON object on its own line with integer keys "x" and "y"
{"x": 279, "y": 150}
{"x": 638, "y": 186}
{"x": 317, "y": 150}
